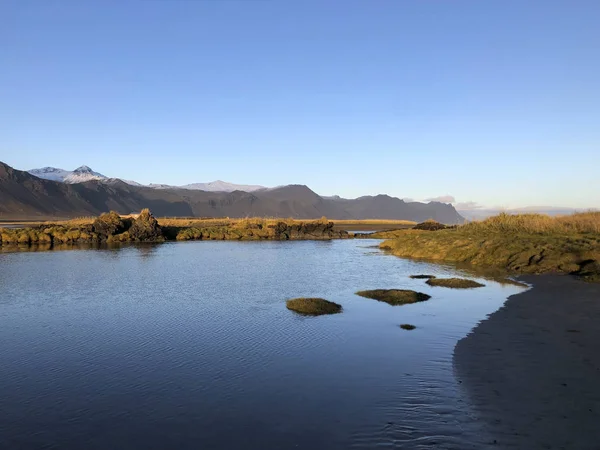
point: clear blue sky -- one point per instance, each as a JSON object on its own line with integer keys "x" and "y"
{"x": 495, "y": 102}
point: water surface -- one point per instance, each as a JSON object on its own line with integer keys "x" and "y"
{"x": 189, "y": 345}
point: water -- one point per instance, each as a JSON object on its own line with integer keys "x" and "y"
{"x": 189, "y": 346}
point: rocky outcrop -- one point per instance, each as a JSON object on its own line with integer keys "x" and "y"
{"x": 145, "y": 228}
{"x": 108, "y": 224}
{"x": 430, "y": 225}
{"x": 308, "y": 230}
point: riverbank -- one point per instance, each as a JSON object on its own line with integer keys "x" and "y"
{"x": 526, "y": 244}
{"x": 532, "y": 369}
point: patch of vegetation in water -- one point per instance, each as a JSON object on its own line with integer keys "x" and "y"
{"x": 395, "y": 296}
{"x": 407, "y": 326}
{"x": 454, "y": 283}
{"x": 422, "y": 277}
{"x": 313, "y": 306}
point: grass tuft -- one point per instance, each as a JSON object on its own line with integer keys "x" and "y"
{"x": 313, "y": 306}
{"x": 454, "y": 283}
{"x": 395, "y": 296}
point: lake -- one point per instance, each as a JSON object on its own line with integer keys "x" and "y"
{"x": 190, "y": 346}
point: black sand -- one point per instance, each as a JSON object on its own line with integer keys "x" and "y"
{"x": 532, "y": 370}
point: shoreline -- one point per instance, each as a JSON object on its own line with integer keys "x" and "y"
{"x": 531, "y": 370}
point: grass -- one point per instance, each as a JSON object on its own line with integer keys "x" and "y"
{"x": 111, "y": 227}
{"x": 313, "y": 306}
{"x": 407, "y": 326}
{"x": 529, "y": 243}
{"x": 422, "y": 277}
{"x": 395, "y": 297}
{"x": 587, "y": 222}
{"x": 454, "y": 283}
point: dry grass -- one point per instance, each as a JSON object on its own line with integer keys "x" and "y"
{"x": 587, "y": 222}
{"x": 202, "y": 222}
{"x": 526, "y": 243}
{"x": 395, "y": 296}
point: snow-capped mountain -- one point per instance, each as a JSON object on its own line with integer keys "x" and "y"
{"x": 50, "y": 173}
{"x": 79, "y": 175}
{"x": 85, "y": 173}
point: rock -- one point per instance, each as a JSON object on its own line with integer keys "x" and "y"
{"x": 430, "y": 225}
{"x": 395, "y": 296}
{"x": 146, "y": 228}
{"x": 108, "y": 224}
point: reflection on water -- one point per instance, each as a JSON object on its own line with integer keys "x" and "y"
{"x": 189, "y": 345}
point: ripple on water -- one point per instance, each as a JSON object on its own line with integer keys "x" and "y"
{"x": 190, "y": 345}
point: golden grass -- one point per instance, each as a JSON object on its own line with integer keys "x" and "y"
{"x": 586, "y": 222}
{"x": 525, "y": 243}
{"x": 202, "y": 222}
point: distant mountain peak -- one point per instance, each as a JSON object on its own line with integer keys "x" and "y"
{"x": 79, "y": 175}
{"x": 83, "y": 169}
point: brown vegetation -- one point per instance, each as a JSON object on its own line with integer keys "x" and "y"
{"x": 394, "y": 296}
{"x": 454, "y": 283}
{"x": 313, "y": 306}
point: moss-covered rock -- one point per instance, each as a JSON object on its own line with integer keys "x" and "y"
{"x": 454, "y": 283}
{"x": 108, "y": 224}
{"x": 395, "y": 296}
{"x": 313, "y": 306}
{"x": 145, "y": 228}
{"x": 430, "y": 225}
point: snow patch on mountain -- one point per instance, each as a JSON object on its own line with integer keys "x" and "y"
{"x": 50, "y": 173}
{"x": 222, "y": 186}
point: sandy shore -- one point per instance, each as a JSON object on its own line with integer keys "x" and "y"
{"x": 532, "y": 370}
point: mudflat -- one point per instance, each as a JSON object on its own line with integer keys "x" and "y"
{"x": 532, "y": 369}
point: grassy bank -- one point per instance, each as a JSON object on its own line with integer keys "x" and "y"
{"x": 112, "y": 227}
{"x": 528, "y": 243}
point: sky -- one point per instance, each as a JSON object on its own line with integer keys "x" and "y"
{"x": 490, "y": 103}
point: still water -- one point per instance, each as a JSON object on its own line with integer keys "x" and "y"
{"x": 190, "y": 346}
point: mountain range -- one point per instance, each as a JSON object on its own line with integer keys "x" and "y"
{"x": 24, "y": 195}
{"x": 84, "y": 173}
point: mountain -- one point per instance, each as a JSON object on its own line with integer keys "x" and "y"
{"x": 222, "y": 186}
{"x": 79, "y": 175}
{"x": 24, "y": 196}
{"x": 51, "y": 173}
{"x": 84, "y": 173}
